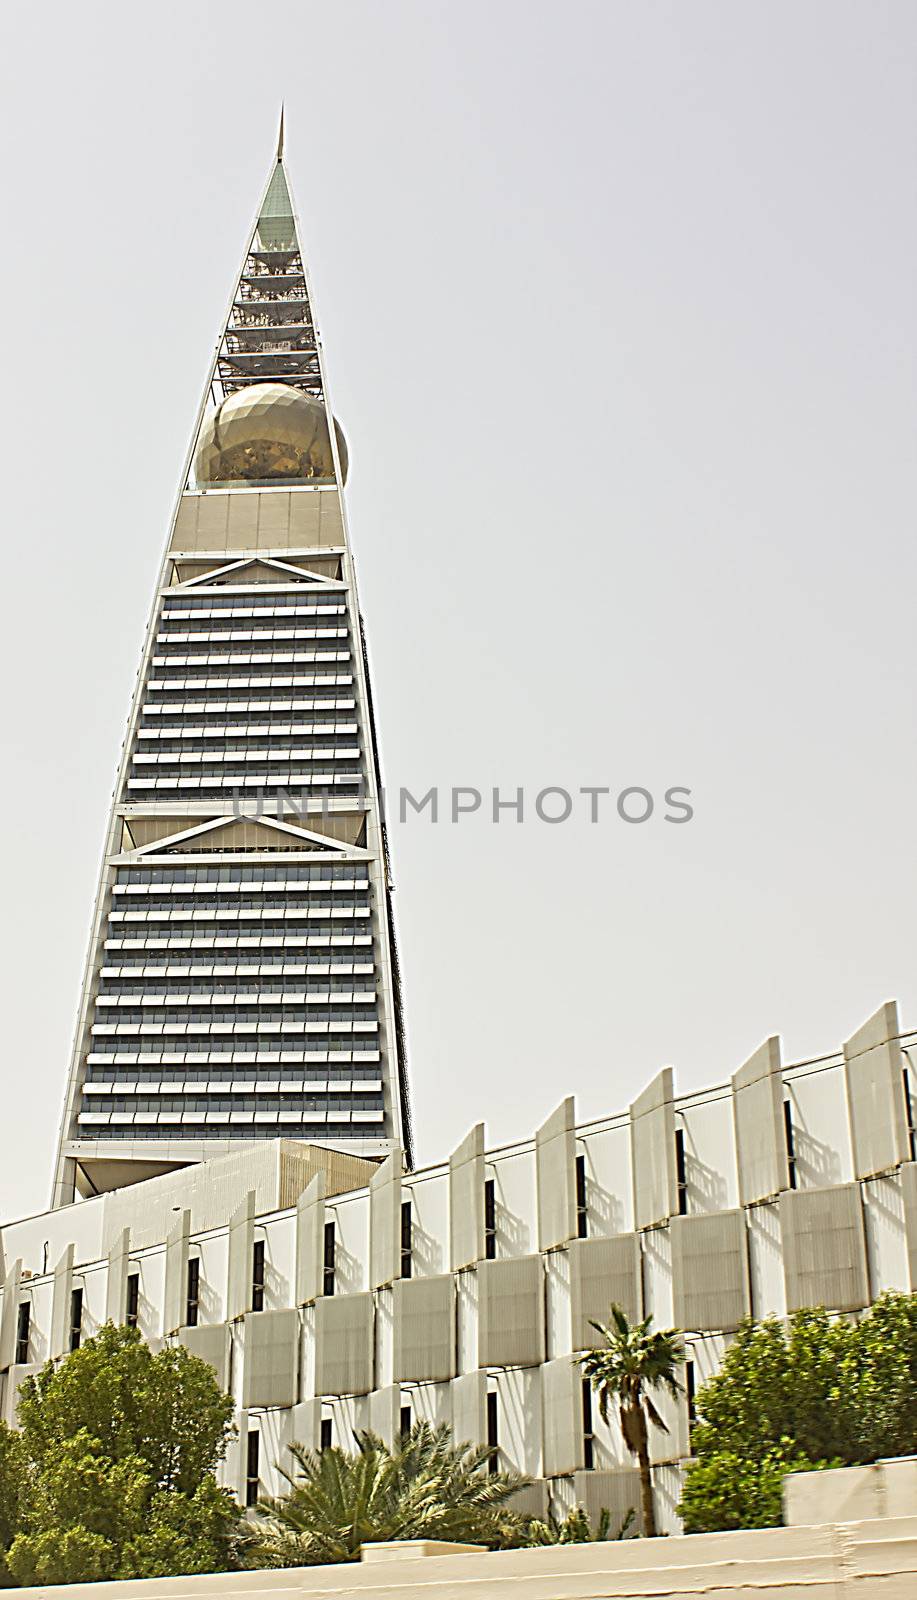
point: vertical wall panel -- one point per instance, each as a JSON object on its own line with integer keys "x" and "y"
{"x": 603, "y": 1272}
{"x": 511, "y": 1312}
{"x": 652, "y": 1131}
{"x": 710, "y": 1271}
{"x": 116, "y": 1289}
{"x": 757, "y": 1090}
{"x": 10, "y": 1313}
{"x": 424, "y": 1340}
{"x": 344, "y": 1344}
{"x": 241, "y": 1241}
{"x": 469, "y": 1408}
{"x": 385, "y": 1222}
{"x": 466, "y": 1200}
{"x": 909, "y": 1193}
{"x": 824, "y": 1248}
{"x": 618, "y": 1490}
{"x": 175, "y": 1295}
{"x": 310, "y": 1240}
{"x": 385, "y": 1413}
{"x": 60, "y": 1305}
{"x": 555, "y": 1154}
{"x": 270, "y": 1359}
{"x": 210, "y": 1344}
{"x": 562, "y": 1409}
{"x": 874, "y": 1067}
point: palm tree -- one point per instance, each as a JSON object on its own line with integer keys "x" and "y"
{"x": 631, "y": 1364}
{"x": 576, "y": 1528}
{"x": 424, "y": 1488}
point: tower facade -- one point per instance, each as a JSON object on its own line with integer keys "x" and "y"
{"x": 241, "y": 981}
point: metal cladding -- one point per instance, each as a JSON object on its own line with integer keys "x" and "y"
{"x": 241, "y": 982}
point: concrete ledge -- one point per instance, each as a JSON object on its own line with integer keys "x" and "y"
{"x": 841, "y": 1494}
{"x": 872, "y": 1560}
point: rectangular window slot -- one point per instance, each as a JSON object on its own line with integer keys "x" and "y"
{"x": 324, "y": 1438}
{"x": 582, "y": 1220}
{"x": 909, "y": 1115}
{"x": 406, "y": 1251}
{"x": 690, "y": 1390}
{"x": 22, "y": 1333}
{"x": 681, "y": 1172}
{"x": 132, "y": 1307}
{"x": 76, "y": 1318}
{"x": 258, "y": 1275}
{"x": 790, "y": 1142}
{"x": 193, "y": 1299}
{"x": 588, "y": 1435}
{"x": 405, "y": 1424}
{"x": 252, "y": 1474}
{"x": 328, "y": 1260}
{"x": 493, "y": 1439}
{"x": 490, "y": 1219}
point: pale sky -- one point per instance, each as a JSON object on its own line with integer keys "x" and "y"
{"x": 619, "y": 313}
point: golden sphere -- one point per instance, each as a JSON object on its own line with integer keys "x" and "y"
{"x": 267, "y": 431}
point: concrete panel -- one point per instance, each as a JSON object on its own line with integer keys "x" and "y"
{"x": 838, "y": 1494}
{"x": 886, "y": 1236}
{"x": 424, "y": 1341}
{"x": 305, "y": 1425}
{"x": 511, "y": 1312}
{"x": 603, "y": 1272}
{"x": 617, "y": 1491}
{"x": 652, "y": 1132}
{"x": 466, "y": 1200}
{"x": 710, "y": 1276}
{"x": 344, "y": 1344}
{"x": 305, "y": 518}
{"x": 874, "y": 1067}
{"x": 239, "y": 1275}
{"x": 824, "y": 1248}
{"x": 116, "y": 1288}
{"x": 562, "y": 1417}
{"x": 757, "y": 1090}
{"x": 9, "y": 1315}
{"x": 176, "y": 1281}
{"x": 555, "y": 1175}
{"x": 210, "y": 1345}
{"x": 271, "y": 1359}
{"x": 60, "y": 1305}
{"x": 385, "y": 1222}
{"x": 909, "y": 1193}
{"x": 310, "y": 1241}
{"x": 469, "y": 1408}
{"x": 385, "y": 1413}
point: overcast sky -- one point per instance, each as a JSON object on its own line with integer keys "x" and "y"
{"x": 619, "y": 312}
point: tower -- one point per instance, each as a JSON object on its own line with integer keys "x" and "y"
{"x": 241, "y": 981}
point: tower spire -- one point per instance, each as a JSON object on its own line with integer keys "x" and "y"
{"x": 280, "y": 135}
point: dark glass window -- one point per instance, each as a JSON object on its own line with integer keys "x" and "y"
{"x": 588, "y": 1436}
{"x": 133, "y": 1299}
{"x": 76, "y": 1318}
{"x": 582, "y": 1221}
{"x": 490, "y": 1218}
{"x": 252, "y": 1453}
{"x": 406, "y": 1251}
{"x": 258, "y": 1275}
{"x": 405, "y": 1424}
{"x": 681, "y": 1171}
{"x": 22, "y": 1333}
{"x": 325, "y": 1434}
{"x": 194, "y": 1283}
{"x": 328, "y": 1260}
{"x": 790, "y": 1142}
{"x": 492, "y": 1430}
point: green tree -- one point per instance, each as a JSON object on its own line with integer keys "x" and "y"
{"x": 12, "y": 1478}
{"x": 116, "y": 1456}
{"x": 632, "y": 1365}
{"x": 821, "y": 1391}
{"x": 424, "y": 1488}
